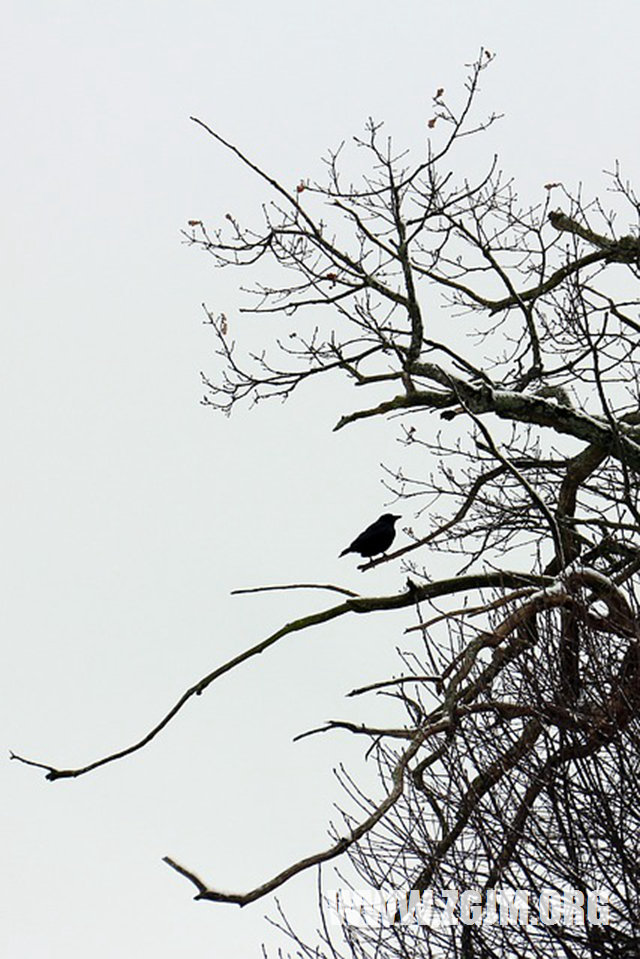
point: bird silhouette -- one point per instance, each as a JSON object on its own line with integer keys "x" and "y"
{"x": 376, "y": 538}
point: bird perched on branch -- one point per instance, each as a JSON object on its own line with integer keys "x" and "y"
{"x": 376, "y": 538}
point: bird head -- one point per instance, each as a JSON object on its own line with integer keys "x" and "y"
{"x": 388, "y": 518}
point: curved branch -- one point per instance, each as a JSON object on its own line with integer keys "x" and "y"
{"x": 243, "y": 899}
{"x": 357, "y": 604}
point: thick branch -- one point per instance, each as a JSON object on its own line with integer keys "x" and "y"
{"x": 509, "y": 405}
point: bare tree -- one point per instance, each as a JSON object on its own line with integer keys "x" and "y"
{"x": 518, "y": 761}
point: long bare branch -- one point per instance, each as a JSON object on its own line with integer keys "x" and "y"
{"x": 360, "y": 605}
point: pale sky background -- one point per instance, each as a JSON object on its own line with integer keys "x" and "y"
{"x": 129, "y": 511}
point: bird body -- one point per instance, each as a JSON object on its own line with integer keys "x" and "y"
{"x": 376, "y": 538}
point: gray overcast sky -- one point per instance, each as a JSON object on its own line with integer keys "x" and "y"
{"x": 129, "y": 511}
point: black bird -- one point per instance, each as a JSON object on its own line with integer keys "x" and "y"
{"x": 376, "y": 538}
